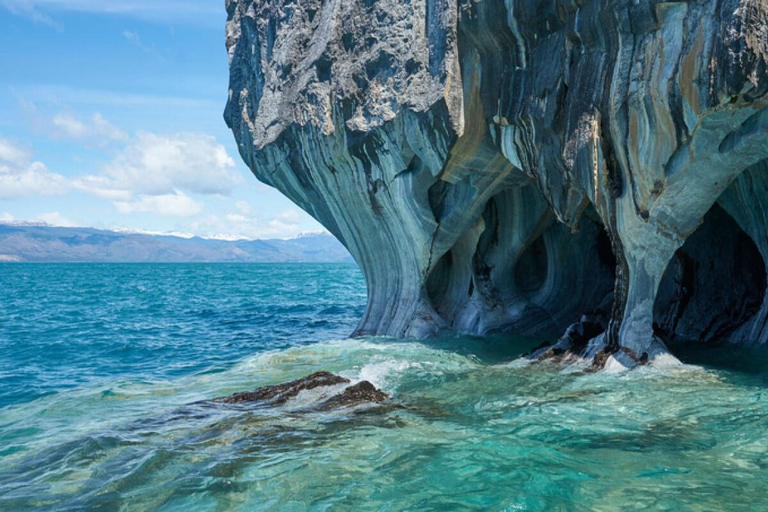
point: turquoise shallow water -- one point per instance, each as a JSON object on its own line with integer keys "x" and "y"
{"x": 102, "y": 368}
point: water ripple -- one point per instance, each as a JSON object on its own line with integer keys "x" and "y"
{"x": 105, "y": 406}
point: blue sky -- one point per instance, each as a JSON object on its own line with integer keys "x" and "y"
{"x": 111, "y": 117}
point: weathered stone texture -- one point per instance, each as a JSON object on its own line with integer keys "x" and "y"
{"x": 511, "y": 165}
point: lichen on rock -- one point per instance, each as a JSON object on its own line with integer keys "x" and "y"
{"x": 513, "y": 166}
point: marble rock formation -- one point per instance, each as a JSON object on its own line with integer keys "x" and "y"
{"x": 516, "y": 165}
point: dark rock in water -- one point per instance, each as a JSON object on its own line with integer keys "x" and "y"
{"x": 360, "y": 393}
{"x": 601, "y": 357}
{"x": 280, "y": 393}
{"x": 576, "y": 340}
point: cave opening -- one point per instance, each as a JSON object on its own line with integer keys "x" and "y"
{"x": 713, "y": 286}
{"x": 524, "y": 273}
{"x": 530, "y": 272}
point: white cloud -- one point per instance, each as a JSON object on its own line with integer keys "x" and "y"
{"x": 103, "y": 187}
{"x": 155, "y": 173}
{"x": 151, "y": 174}
{"x": 166, "y": 164}
{"x": 55, "y": 219}
{"x": 68, "y": 126}
{"x": 13, "y": 154}
{"x": 178, "y": 205}
{"x": 236, "y": 217}
{"x": 289, "y": 216}
{"x": 287, "y": 224}
{"x": 6, "y": 217}
{"x": 20, "y": 177}
{"x": 29, "y": 180}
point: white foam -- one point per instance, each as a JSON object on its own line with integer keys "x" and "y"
{"x": 380, "y": 373}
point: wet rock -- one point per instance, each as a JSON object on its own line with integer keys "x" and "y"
{"x": 580, "y": 341}
{"x": 280, "y": 393}
{"x": 623, "y": 356}
{"x": 361, "y": 393}
{"x": 601, "y": 357}
{"x": 587, "y": 328}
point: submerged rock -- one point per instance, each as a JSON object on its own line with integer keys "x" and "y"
{"x": 360, "y": 393}
{"x": 511, "y": 165}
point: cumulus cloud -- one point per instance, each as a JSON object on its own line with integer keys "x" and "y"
{"x": 177, "y": 205}
{"x": 29, "y": 180}
{"x": 21, "y": 177}
{"x": 155, "y": 173}
{"x": 6, "y": 217}
{"x": 151, "y": 174}
{"x": 164, "y": 164}
{"x": 68, "y": 126}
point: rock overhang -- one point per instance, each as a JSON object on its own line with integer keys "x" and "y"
{"x": 454, "y": 147}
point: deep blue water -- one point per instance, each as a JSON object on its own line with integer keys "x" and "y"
{"x": 106, "y": 372}
{"x": 73, "y": 325}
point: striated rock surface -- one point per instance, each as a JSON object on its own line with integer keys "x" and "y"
{"x": 514, "y": 165}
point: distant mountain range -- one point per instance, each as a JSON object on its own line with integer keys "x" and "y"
{"x": 44, "y": 243}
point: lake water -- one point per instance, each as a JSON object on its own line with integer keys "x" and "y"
{"x": 103, "y": 369}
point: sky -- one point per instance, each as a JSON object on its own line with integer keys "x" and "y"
{"x": 111, "y": 117}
